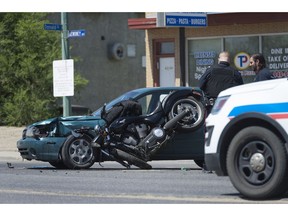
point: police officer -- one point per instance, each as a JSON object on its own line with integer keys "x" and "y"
{"x": 219, "y": 77}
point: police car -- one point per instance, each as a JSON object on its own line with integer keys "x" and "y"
{"x": 247, "y": 138}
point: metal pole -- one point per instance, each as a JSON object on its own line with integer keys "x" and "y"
{"x": 182, "y": 55}
{"x": 65, "y": 55}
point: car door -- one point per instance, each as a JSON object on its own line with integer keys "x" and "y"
{"x": 182, "y": 145}
{"x": 150, "y": 100}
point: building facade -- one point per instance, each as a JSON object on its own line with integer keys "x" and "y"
{"x": 180, "y": 55}
{"x": 110, "y": 55}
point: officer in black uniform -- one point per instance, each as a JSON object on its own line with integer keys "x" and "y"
{"x": 216, "y": 79}
{"x": 219, "y": 77}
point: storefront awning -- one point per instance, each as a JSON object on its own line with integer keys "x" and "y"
{"x": 216, "y": 19}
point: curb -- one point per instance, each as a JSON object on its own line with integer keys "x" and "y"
{"x": 10, "y": 155}
{"x": 8, "y": 143}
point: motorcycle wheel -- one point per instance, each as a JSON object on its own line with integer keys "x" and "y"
{"x": 132, "y": 159}
{"x": 194, "y": 120}
{"x": 77, "y": 152}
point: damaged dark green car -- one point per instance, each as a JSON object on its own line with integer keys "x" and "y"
{"x": 43, "y": 141}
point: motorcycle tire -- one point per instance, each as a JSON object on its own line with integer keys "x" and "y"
{"x": 194, "y": 120}
{"x": 77, "y": 152}
{"x": 132, "y": 159}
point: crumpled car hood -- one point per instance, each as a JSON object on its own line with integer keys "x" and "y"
{"x": 61, "y": 126}
{"x": 69, "y": 118}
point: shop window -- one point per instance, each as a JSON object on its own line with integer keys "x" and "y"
{"x": 201, "y": 55}
{"x": 275, "y": 50}
{"x": 240, "y": 49}
{"x": 167, "y": 48}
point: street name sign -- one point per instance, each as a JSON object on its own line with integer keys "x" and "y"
{"x": 77, "y": 33}
{"x": 53, "y": 27}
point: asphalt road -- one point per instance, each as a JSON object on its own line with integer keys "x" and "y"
{"x": 169, "y": 182}
{"x": 181, "y": 183}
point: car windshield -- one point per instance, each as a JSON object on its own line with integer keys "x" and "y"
{"x": 126, "y": 96}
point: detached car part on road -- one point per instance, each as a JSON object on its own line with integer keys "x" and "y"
{"x": 44, "y": 140}
{"x": 247, "y": 138}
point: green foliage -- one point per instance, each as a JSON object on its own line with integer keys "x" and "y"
{"x": 26, "y": 107}
{"x": 26, "y": 72}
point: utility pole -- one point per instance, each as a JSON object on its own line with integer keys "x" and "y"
{"x": 65, "y": 55}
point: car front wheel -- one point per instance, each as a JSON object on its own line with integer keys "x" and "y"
{"x": 257, "y": 163}
{"x": 77, "y": 152}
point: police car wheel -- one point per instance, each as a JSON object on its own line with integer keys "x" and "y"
{"x": 257, "y": 163}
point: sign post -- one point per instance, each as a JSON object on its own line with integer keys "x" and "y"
{"x": 57, "y": 68}
{"x": 65, "y": 55}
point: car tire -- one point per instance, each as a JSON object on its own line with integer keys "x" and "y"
{"x": 77, "y": 152}
{"x": 257, "y": 163}
{"x": 132, "y": 159}
{"x": 194, "y": 120}
{"x": 58, "y": 164}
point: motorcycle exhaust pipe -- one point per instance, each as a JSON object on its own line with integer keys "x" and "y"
{"x": 158, "y": 134}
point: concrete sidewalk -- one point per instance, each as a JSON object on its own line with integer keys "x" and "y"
{"x": 8, "y": 143}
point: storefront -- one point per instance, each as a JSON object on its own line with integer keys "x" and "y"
{"x": 203, "y": 53}
{"x": 242, "y": 34}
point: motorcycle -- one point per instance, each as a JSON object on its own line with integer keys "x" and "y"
{"x": 131, "y": 138}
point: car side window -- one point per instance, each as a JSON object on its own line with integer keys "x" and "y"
{"x": 162, "y": 96}
{"x": 149, "y": 102}
{"x": 145, "y": 102}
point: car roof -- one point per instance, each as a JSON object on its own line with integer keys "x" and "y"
{"x": 136, "y": 93}
{"x": 161, "y": 88}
